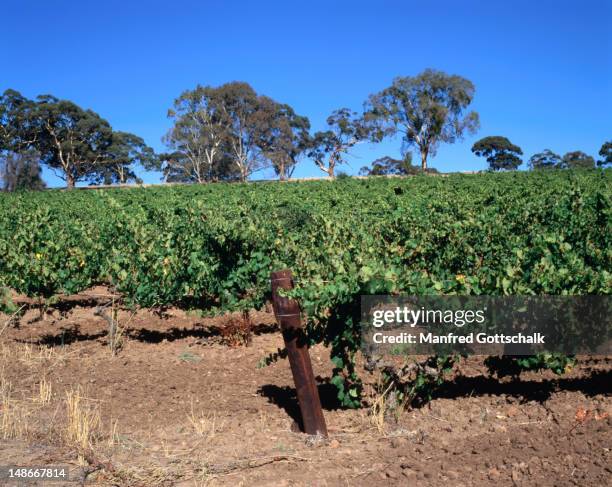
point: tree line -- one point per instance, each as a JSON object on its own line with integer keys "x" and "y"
{"x": 501, "y": 154}
{"x": 76, "y": 143}
{"x": 229, "y": 132}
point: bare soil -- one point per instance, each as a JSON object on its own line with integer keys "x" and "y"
{"x": 181, "y": 407}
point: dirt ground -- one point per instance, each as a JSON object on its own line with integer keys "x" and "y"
{"x": 178, "y": 406}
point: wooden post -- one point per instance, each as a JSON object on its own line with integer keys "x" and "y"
{"x": 287, "y": 312}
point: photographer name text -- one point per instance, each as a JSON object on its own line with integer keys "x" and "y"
{"x": 451, "y": 338}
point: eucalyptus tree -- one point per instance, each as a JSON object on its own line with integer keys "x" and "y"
{"x": 285, "y": 138}
{"x": 197, "y": 137}
{"x": 501, "y": 154}
{"x": 229, "y": 132}
{"x": 72, "y": 141}
{"x": 247, "y": 119}
{"x": 577, "y": 160}
{"x": 546, "y": 159}
{"x": 328, "y": 148}
{"x": 426, "y": 110}
{"x": 79, "y": 145}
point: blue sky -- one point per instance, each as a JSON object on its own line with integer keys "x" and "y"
{"x": 542, "y": 69}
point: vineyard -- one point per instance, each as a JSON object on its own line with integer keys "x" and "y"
{"x": 304, "y": 245}
{"x": 211, "y": 248}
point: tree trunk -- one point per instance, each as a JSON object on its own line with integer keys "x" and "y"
{"x": 282, "y": 171}
{"x": 424, "y": 154}
{"x": 69, "y": 181}
{"x": 332, "y": 165}
{"x": 244, "y": 175}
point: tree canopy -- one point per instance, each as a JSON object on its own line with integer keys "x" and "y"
{"x": 606, "y": 154}
{"x": 577, "y": 160}
{"x": 501, "y": 154}
{"x": 198, "y": 138}
{"x": 72, "y": 141}
{"x": 546, "y": 159}
{"x": 286, "y": 138}
{"x": 229, "y": 132}
{"x": 246, "y": 120}
{"x": 427, "y": 110}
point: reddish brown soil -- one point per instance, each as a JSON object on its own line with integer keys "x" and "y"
{"x": 542, "y": 430}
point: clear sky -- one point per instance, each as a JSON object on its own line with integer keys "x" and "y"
{"x": 542, "y": 69}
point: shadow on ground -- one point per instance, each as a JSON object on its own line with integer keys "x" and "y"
{"x": 286, "y": 398}
{"x": 71, "y": 334}
{"x": 599, "y": 382}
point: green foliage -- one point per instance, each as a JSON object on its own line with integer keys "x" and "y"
{"x": 212, "y": 247}
{"x": 558, "y": 363}
{"x": 514, "y": 366}
{"x": 499, "y": 151}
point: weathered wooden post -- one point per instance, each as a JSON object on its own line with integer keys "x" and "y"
{"x": 287, "y": 312}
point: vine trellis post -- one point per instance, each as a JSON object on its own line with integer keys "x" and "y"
{"x": 287, "y": 312}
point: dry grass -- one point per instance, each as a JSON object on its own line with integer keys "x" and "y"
{"x": 205, "y": 425}
{"x": 45, "y": 392}
{"x": 14, "y": 414}
{"x": 71, "y": 420}
{"x": 263, "y": 421}
{"x": 114, "y": 438}
{"x": 35, "y": 355}
{"x": 377, "y": 413}
{"x": 83, "y": 426}
{"x": 384, "y": 406}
